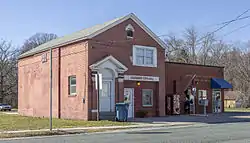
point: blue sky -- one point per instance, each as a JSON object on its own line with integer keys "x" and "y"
{"x": 22, "y": 18}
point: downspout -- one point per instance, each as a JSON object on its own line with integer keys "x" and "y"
{"x": 118, "y": 94}
{"x": 166, "y": 77}
{"x": 59, "y": 82}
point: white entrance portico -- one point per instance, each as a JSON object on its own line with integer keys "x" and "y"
{"x": 110, "y": 68}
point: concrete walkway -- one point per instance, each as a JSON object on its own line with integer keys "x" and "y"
{"x": 85, "y": 129}
{"x": 209, "y": 119}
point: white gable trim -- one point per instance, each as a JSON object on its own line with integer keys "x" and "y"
{"x": 109, "y": 58}
{"x": 137, "y": 21}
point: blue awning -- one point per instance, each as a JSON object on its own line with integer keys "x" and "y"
{"x": 220, "y": 83}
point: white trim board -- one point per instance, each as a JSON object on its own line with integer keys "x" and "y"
{"x": 111, "y": 58}
{"x": 141, "y": 78}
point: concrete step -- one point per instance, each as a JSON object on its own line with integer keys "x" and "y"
{"x": 107, "y": 116}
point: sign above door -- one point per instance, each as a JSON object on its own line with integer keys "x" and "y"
{"x": 141, "y": 78}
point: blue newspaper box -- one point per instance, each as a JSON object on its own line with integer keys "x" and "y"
{"x": 121, "y": 111}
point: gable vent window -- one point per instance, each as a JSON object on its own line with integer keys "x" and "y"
{"x": 130, "y": 34}
{"x": 44, "y": 57}
{"x": 130, "y": 31}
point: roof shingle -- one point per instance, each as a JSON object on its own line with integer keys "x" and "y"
{"x": 79, "y": 35}
{"x": 89, "y": 33}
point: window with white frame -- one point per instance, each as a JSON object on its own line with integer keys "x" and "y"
{"x": 72, "y": 85}
{"x": 144, "y": 56}
{"x": 147, "y": 97}
{"x": 202, "y": 94}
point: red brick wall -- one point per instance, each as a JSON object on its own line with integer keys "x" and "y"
{"x": 34, "y": 86}
{"x": 151, "y": 111}
{"x": 74, "y": 61}
{"x": 121, "y": 49}
{"x": 34, "y": 83}
{"x": 178, "y": 72}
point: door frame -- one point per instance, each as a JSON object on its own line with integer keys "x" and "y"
{"x": 112, "y": 100}
{"x": 214, "y": 91}
{"x": 132, "y": 104}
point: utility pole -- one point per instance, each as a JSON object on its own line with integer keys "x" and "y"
{"x": 50, "y": 116}
{"x": 98, "y": 93}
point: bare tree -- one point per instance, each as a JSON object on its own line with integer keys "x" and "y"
{"x": 205, "y": 51}
{"x": 176, "y": 50}
{"x": 8, "y": 72}
{"x": 36, "y": 40}
{"x": 191, "y": 36}
{"x": 209, "y": 50}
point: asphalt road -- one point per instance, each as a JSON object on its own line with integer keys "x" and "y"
{"x": 229, "y": 133}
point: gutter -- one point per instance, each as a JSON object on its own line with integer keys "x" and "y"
{"x": 53, "y": 47}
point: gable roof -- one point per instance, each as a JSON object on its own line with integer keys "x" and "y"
{"x": 89, "y": 33}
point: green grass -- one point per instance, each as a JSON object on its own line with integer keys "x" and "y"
{"x": 17, "y": 122}
{"x": 48, "y": 133}
{"x": 237, "y": 109}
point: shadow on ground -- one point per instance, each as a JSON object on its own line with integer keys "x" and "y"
{"x": 227, "y": 117}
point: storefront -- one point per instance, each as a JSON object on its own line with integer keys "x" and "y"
{"x": 218, "y": 86}
{"x": 141, "y": 93}
{"x": 190, "y": 87}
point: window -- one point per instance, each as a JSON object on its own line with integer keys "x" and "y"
{"x": 202, "y": 94}
{"x": 44, "y": 57}
{"x": 130, "y": 31}
{"x": 144, "y": 56}
{"x": 147, "y": 97}
{"x": 72, "y": 85}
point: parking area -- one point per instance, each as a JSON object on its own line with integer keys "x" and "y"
{"x": 12, "y": 112}
{"x": 227, "y": 117}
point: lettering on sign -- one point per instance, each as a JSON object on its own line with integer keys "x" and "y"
{"x": 141, "y": 78}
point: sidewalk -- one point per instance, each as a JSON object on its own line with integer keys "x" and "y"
{"x": 85, "y": 129}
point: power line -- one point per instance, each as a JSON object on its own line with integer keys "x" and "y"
{"x": 246, "y": 17}
{"x": 115, "y": 41}
{"x": 226, "y": 24}
{"x": 54, "y": 57}
{"x": 239, "y": 28}
{"x": 158, "y": 36}
{"x": 218, "y": 29}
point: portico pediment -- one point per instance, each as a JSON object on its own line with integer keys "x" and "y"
{"x": 109, "y": 63}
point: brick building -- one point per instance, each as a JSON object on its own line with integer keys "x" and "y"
{"x": 124, "y": 51}
{"x": 207, "y": 80}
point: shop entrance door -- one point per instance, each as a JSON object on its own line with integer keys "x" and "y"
{"x": 217, "y": 107}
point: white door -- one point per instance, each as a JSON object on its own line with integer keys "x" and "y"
{"x": 129, "y": 95}
{"x": 105, "y": 97}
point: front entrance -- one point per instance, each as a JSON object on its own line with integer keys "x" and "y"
{"x": 105, "y": 97}
{"x": 129, "y": 97}
{"x": 217, "y": 106}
